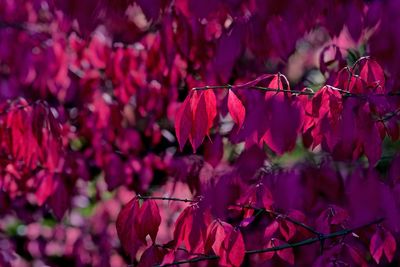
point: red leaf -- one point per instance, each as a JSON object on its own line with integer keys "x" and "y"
{"x": 215, "y": 236}
{"x": 60, "y": 200}
{"x": 270, "y": 230}
{"x": 227, "y": 243}
{"x": 389, "y": 247}
{"x": 285, "y": 254}
{"x": 191, "y": 228}
{"x": 211, "y": 107}
{"x": 125, "y": 227}
{"x": 236, "y": 109}
{"x": 45, "y": 189}
{"x": 382, "y": 242}
{"x": 183, "y": 122}
{"x": 287, "y": 229}
{"x": 200, "y": 120}
{"x": 214, "y": 150}
{"x": 135, "y": 222}
{"x": 148, "y": 220}
{"x": 268, "y": 255}
{"x": 371, "y": 72}
{"x": 376, "y": 247}
{"x": 152, "y": 256}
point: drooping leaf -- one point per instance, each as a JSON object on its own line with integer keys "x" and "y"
{"x": 200, "y": 119}
{"x": 236, "y": 109}
{"x": 183, "y": 122}
{"x": 135, "y": 222}
{"x": 227, "y": 243}
{"x": 191, "y": 229}
{"x": 211, "y": 107}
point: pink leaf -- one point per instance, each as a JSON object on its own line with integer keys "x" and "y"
{"x": 285, "y": 254}
{"x": 191, "y": 228}
{"x": 227, "y": 243}
{"x": 270, "y": 230}
{"x": 135, "y": 222}
{"x": 236, "y": 109}
{"x": 45, "y": 189}
{"x": 148, "y": 220}
{"x": 376, "y": 247}
{"x": 200, "y": 120}
{"x": 211, "y": 107}
{"x": 183, "y": 122}
{"x": 152, "y": 256}
{"x": 389, "y": 247}
{"x": 371, "y": 72}
{"x": 287, "y": 229}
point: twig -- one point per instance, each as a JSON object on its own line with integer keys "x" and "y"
{"x": 168, "y": 199}
{"x": 295, "y": 92}
{"x": 390, "y": 115}
{"x": 283, "y": 216}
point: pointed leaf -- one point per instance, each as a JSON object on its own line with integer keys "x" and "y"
{"x": 236, "y": 109}
{"x": 183, "y": 122}
{"x": 200, "y": 120}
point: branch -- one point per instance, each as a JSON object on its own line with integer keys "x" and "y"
{"x": 295, "y": 92}
{"x": 283, "y": 216}
{"x": 320, "y": 238}
{"x": 390, "y": 115}
{"x": 168, "y": 199}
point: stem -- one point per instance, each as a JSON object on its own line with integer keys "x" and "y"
{"x": 168, "y": 199}
{"x": 390, "y": 115}
{"x": 295, "y": 92}
{"x": 320, "y": 238}
{"x": 283, "y": 216}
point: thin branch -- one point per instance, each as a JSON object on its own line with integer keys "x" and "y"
{"x": 295, "y": 92}
{"x": 193, "y": 260}
{"x": 322, "y": 237}
{"x": 343, "y": 232}
{"x": 168, "y": 199}
{"x": 390, "y": 115}
{"x": 283, "y": 216}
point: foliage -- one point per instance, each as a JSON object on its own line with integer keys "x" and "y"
{"x": 218, "y": 133}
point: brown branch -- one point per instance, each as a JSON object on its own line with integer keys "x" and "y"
{"x": 283, "y": 216}
{"x": 389, "y": 115}
{"x": 295, "y": 92}
{"x": 168, "y": 199}
{"x": 309, "y": 241}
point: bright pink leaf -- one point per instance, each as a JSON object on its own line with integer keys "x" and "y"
{"x": 191, "y": 228}
{"x": 236, "y": 109}
{"x": 148, "y": 220}
{"x": 371, "y": 72}
{"x": 227, "y": 243}
{"x": 211, "y": 107}
{"x": 135, "y": 222}
{"x": 200, "y": 120}
{"x": 183, "y": 122}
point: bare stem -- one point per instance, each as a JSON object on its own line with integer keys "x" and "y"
{"x": 168, "y": 199}
{"x": 295, "y": 92}
{"x": 283, "y": 216}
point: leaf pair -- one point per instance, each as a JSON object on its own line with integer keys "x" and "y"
{"x": 226, "y": 242}
{"x": 382, "y": 243}
{"x": 135, "y": 221}
{"x": 196, "y": 115}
